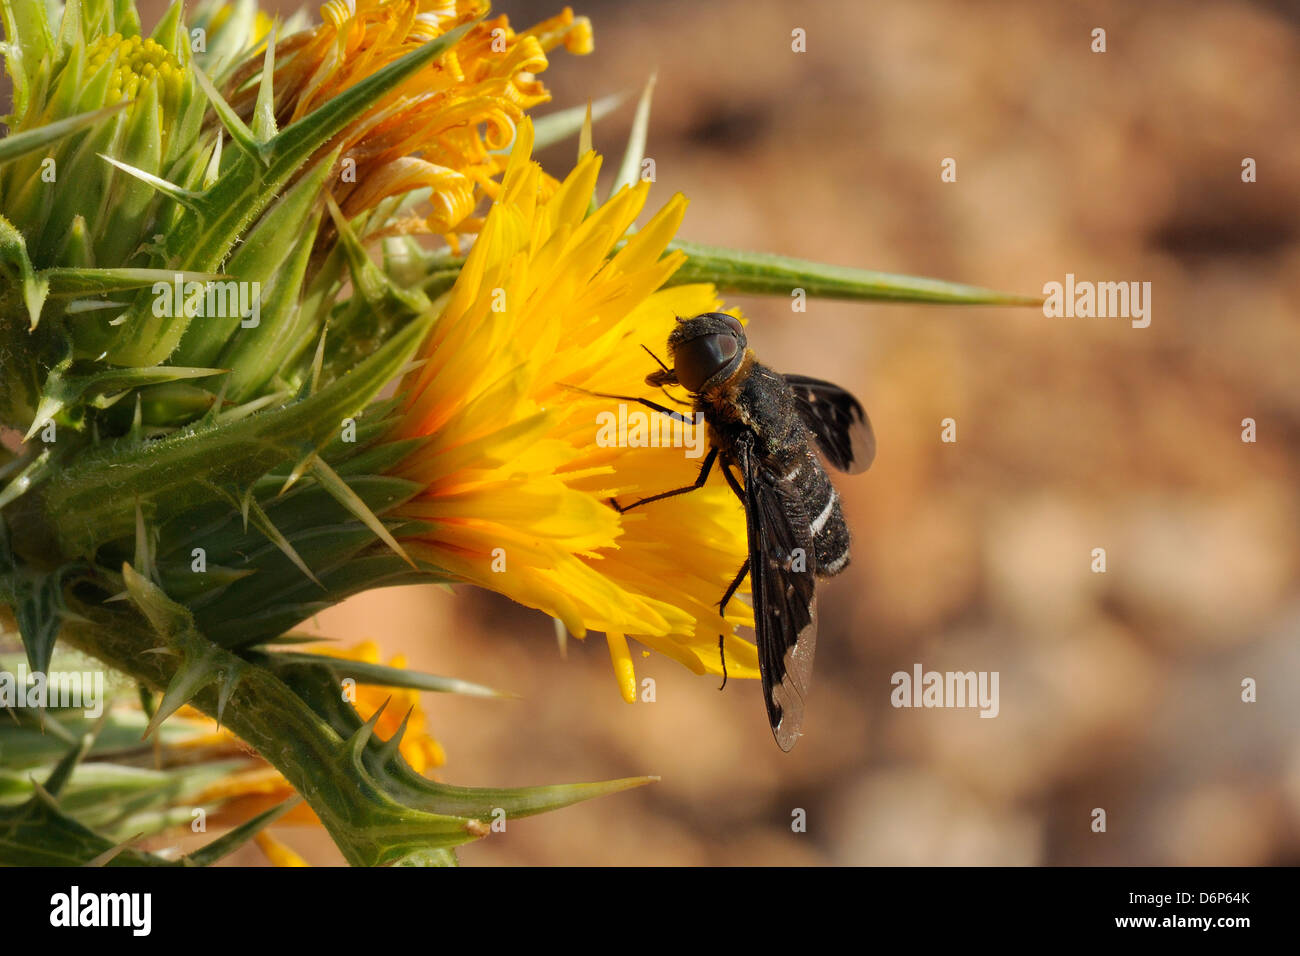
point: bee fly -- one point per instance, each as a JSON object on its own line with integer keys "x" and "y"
{"x": 760, "y": 423}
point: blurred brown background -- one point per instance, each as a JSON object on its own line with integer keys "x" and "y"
{"x": 1119, "y": 690}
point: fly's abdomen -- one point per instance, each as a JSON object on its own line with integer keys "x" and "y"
{"x": 825, "y": 519}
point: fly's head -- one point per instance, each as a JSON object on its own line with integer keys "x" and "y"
{"x": 706, "y": 351}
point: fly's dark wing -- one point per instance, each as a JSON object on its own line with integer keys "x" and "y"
{"x": 781, "y": 565}
{"x": 837, "y": 421}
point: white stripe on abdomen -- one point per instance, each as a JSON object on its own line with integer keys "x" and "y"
{"x": 820, "y": 521}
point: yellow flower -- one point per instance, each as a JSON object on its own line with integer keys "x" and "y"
{"x": 517, "y": 485}
{"x": 439, "y": 130}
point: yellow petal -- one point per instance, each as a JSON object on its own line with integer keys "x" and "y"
{"x": 624, "y": 671}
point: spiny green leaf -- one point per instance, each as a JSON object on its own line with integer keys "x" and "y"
{"x": 27, "y": 29}
{"x": 264, "y": 109}
{"x": 268, "y": 528}
{"x": 62, "y": 771}
{"x": 271, "y": 256}
{"x": 369, "y": 281}
{"x": 33, "y": 140}
{"x": 186, "y": 197}
{"x": 112, "y": 853}
{"x": 165, "y": 616}
{"x": 114, "y": 798}
{"x": 170, "y": 32}
{"x": 379, "y": 295}
{"x": 16, "y": 269}
{"x": 629, "y": 172}
{"x": 385, "y": 676}
{"x": 140, "y": 149}
{"x": 38, "y": 833}
{"x": 318, "y": 360}
{"x": 38, "y": 612}
{"x": 62, "y": 390}
{"x": 202, "y": 662}
{"x": 144, "y": 545}
{"x": 227, "y": 843}
{"x": 339, "y": 490}
{"x": 560, "y": 125}
{"x": 584, "y": 135}
{"x": 70, "y": 282}
{"x": 93, "y": 500}
{"x": 425, "y": 856}
{"x": 31, "y": 475}
{"x": 480, "y": 803}
{"x": 44, "y": 831}
{"x": 244, "y": 137}
{"x": 757, "y": 273}
{"x": 286, "y": 607}
{"x": 212, "y": 172}
{"x": 380, "y": 458}
{"x": 71, "y": 34}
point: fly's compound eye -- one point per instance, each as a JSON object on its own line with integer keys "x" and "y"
{"x": 734, "y": 322}
{"x": 730, "y": 321}
{"x": 698, "y": 360}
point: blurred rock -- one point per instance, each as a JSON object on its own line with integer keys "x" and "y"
{"x": 916, "y": 818}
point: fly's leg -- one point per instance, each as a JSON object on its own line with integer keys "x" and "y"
{"x": 662, "y": 409}
{"x": 733, "y": 587}
{"x": 722, "y": 606}
{"x": 670, "y": 376}
{"x": 722, "y": 610}
{"x": 675, "y": 416}
{"x": 673, "y": 398}
{"x": 700, "y": 479}
{"x": 735, "y": 485}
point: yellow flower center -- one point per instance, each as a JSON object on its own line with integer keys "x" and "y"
{"x": 137, "y": 64}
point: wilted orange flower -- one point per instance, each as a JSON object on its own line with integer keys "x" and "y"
{"x": 439, "y": 129}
